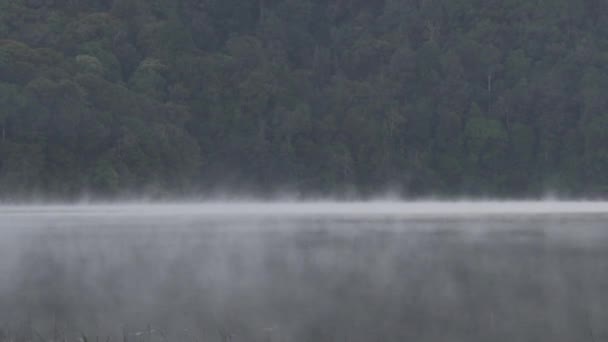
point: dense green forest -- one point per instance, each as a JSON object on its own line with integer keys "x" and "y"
{"x": 416, "y": 97}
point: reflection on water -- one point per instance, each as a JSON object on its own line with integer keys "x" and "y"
{"x": 306, "y": 277}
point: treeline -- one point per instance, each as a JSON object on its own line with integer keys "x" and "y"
{"x": 416, "y": 97}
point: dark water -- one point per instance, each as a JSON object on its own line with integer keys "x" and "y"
{"x": 499, "y": 278}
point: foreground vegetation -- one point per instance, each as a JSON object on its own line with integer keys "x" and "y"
{"x": 500, "y": 97}
{"x": 30, "y": 334}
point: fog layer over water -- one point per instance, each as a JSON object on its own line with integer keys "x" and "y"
{"x": 492, "y": 271}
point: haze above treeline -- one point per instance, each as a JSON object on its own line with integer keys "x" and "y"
{"x": 183, "y": 97}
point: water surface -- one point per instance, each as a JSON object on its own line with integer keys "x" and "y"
{"x": 305, "y": 272}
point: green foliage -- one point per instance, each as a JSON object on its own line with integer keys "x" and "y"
{"x": 104, "y": 178}
{"x": 148, "y": 79}
{"x": 452, "y": 97}
{"x": 21, "y": 168}
{"x": 111, "y": 68}
{"x": 483, "y": 133}
{"x": 90, "y": 64}
{"x": 92, "y": 27}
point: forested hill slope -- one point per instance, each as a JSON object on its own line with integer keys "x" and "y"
{"x": 453, "y": 97}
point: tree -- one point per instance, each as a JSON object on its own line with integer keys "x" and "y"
{"x": 456, "y": 97}
{"x": 148, "y": 79}
{"x": 486, "y": 141}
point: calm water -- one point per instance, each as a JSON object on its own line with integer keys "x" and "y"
{"x": 466, "y": 272}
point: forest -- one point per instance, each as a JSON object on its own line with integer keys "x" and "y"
{"x": 178, "y": 98}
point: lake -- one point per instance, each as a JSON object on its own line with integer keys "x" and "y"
{"x": 305, "y": 272}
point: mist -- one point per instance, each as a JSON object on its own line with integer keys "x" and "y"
{"x": 322, "y": 271}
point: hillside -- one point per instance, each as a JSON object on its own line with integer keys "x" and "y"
{"x": 417, "y": 97}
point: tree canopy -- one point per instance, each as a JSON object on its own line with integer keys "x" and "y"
{"x": 416, "y": 97}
